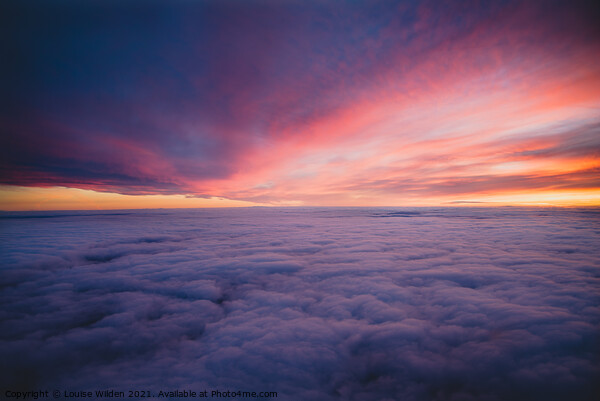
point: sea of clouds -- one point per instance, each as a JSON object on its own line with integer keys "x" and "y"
{"x": 314, "y": 303}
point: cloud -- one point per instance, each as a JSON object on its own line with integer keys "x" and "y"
{"x": 317, "y": 304}
{"x": 273, "y": 103}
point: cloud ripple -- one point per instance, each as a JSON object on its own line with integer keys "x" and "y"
{"x": 315, "y": 303}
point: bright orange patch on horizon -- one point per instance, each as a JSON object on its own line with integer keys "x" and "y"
{"x": 61, "y": 198}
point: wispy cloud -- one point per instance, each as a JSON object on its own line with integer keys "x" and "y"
{"x": 320, "y": 101}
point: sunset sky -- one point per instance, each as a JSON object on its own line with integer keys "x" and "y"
{"x": 110, "y": 105}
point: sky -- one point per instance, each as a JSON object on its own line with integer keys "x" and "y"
{"x": 116, "y": 105}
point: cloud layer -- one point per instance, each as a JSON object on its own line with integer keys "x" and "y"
{"x": 316, "y": 304}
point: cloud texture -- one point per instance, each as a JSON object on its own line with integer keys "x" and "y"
{"x": 315, "y": 303}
